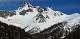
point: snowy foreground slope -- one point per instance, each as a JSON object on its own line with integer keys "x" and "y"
{"x": 36, "y": 19}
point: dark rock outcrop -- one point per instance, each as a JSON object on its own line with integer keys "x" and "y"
{"x": 4, "y": 14}
{"x": 56, "y": 31}
{"x": 12, "y": 32}
{"x": 75, "y": 34}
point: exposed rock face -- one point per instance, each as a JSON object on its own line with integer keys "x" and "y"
{"x": 39, "y": 23}
{"x": 55, "y": 32}
{"x": 12, "y": 32}
{"x": 4, "y": 14}
{"x": 74, "y": 34}
{"x": 40, "y": 18}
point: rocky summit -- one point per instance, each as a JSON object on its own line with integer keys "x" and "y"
{"x": 29, "y": 22}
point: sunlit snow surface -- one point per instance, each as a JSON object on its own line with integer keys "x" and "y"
{"x": 28, "y": 20}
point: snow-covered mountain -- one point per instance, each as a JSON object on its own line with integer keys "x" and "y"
{"x": 36, "y": 19}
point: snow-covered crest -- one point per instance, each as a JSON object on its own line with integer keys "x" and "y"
{"x": 38, "y": 19}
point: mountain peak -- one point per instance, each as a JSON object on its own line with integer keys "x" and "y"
{"x": 34, "y": 17}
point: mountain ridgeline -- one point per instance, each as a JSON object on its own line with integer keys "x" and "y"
{"x": 34, "y": 22}
{"x": 56, "y": 31}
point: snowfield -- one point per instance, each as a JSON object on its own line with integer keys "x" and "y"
{"x": 36, "y": 21}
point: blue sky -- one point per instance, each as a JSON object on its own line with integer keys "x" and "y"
{"x": 66, "y": 6}
{"x": 9, "y": 4}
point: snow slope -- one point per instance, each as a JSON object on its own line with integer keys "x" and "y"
{"x": 38, "y": 21}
